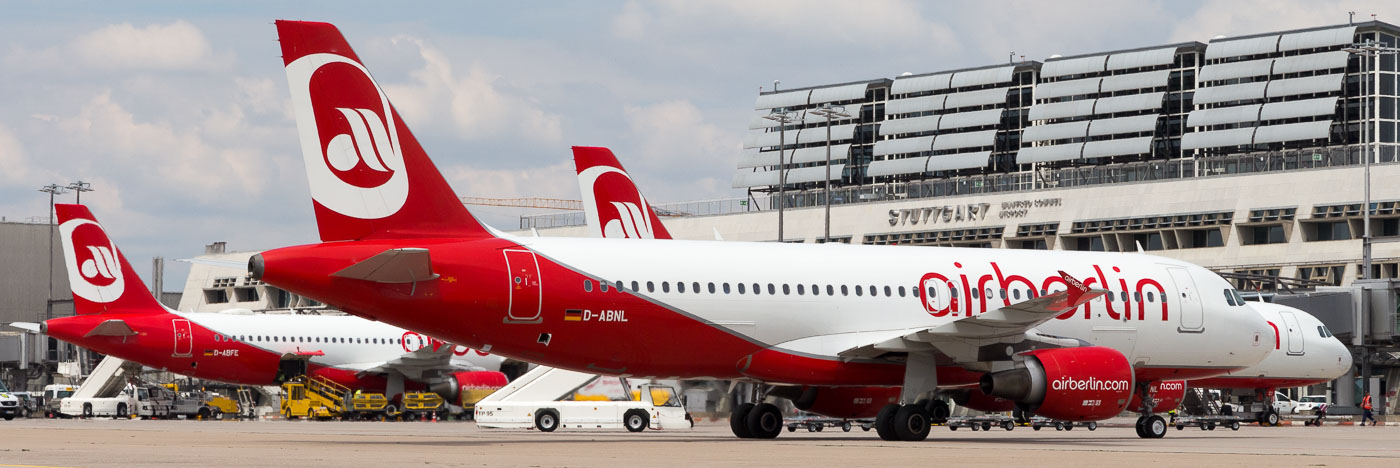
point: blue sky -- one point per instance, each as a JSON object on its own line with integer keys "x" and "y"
{"x": 177, "y": 112}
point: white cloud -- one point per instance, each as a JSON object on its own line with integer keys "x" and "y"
{"x": 184, "y": 157}
{"x": 812, "y": 21}
{"x": 158, "y": 46}
{"x": 677, "y": 152}
{"x": 475, "y": 105}
{"x": 14, "y": 164}
{"x": 1243, "y": 17}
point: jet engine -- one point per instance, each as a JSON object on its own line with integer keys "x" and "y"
{"x": 1167, "y": 394}
{"x": 467, "y": 388}
{"x": 1071, "y": 384}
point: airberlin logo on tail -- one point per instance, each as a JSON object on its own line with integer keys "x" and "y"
{"x": 93, "y": 270}
{"x": 349, "y": 139}
{"x": 628, "y": 218}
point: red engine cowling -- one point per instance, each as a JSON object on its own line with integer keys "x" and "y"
{"x": 974, "y": 398}
{"x": 467, "y": 388}
{"x": 1070, "y": 384}
{"x": 844, "y": 402}
{"x": 1168, "y": 395}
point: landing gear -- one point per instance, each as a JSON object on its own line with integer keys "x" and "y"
{"x": 938, "y": 411}
{"x": 903, "y": 422}
{"x": 1269, "y": 418}
{"x": 738, "y": 421}
{"x": 764, "y": 421}
{"x": 1151, "y": 427}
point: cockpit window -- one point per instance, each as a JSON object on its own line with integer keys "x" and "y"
{"x": 1233, "y": 297}
{"x": 1322, "y": 330}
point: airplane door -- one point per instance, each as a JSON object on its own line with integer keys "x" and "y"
{"x": 1295, "y": 333}
{"x": 184, "y": 338}
{"x": 526, "y": 295}
{"x": 1192, "y": 318}
{"x": 939, "y": 296}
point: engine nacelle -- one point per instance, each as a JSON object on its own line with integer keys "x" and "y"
{"x": 840, "y": 402}
{"x": 1070, "y": 384}
{"x": 467, "y": 388}
{"x": 973, "y": 398}
{"x": 1166, "y": 394}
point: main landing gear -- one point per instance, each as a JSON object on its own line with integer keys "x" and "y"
{"x": 756, "y": 421}
{"x": 910, "y": 423}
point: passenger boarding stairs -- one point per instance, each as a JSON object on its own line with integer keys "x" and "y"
{"x": 1198, "y": 402}
{"x": 314, "y": 397}
{"x": 107, "y": 379}
{"x": 540, "y": 384}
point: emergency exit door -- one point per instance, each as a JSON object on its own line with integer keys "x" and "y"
{"x": 526, "y": 294}
{"x": 184, "y": 338}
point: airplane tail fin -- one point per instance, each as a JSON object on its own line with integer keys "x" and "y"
{"x": 101, "y": 278}
{"x": 369, "y": 177}
{"x": 612, "y": 204}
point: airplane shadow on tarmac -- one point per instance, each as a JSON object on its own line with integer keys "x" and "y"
{"x": 526, "y": 438}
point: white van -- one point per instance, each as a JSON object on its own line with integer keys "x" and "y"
{"x": 657, "y": 407}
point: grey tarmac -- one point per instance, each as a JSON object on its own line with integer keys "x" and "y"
{"x": 81, "y": 443}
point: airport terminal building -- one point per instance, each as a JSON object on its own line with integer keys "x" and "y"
{"x": 1244, "y": 154}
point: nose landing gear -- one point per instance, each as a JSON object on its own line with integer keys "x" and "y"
{"x": 1149, "y": 425}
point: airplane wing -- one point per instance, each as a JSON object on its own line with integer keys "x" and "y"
{"x": 420, "y": 365}
{"x": 407, "y": 265}
{"x": 217, "y": 263}
{"x": 991, "y": 336}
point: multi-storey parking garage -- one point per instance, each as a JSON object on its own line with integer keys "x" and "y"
{"x": 1243, "y": 154}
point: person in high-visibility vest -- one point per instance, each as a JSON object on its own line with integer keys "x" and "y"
{"x": 1366, "y": 410}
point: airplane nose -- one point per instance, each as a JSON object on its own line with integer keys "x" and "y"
{"x": 1259, "y": 332}
{"x": 1344, "y": 360}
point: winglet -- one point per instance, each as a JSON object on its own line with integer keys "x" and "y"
{"x": 1077, "y": 288}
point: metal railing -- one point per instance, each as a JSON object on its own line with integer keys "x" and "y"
{"x": 1146, "y": 171}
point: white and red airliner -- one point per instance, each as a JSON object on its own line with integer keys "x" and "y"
{"x": 399, "y": 246}
{"x": 1304, "y": 350}
{"x": 117, "y": 316}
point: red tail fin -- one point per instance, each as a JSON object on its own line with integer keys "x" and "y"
{"x": 101, "y": 278}
{"x": 612, "y": 204}
{"x": 369, "y": 177}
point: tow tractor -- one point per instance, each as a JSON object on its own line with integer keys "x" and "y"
{"x": 817, "y": 424}
{"x": 984, "y": 422}
{"x": 1036, "y": 423}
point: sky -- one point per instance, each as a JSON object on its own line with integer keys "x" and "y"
{"x": 178, "y": 113}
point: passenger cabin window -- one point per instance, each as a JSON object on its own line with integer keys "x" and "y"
{"x": 830, "y": 291}
{"x": 680, "y": 287}
{"x": 844, "y": 290}
{"x": 771, "y": 290}
{"x": 887, "y": 292}
{"x": 757, "y": 289}
{"x": 712, "y": 288}
{"x": 587, "y": 285}
{"x": 801, "y": 290}
{"x": 741, "y": 288}
{"x": 651, "y": 287}
{"x": 914, "y": 290}
{"x": 603, "y": 286}
{"x": 634, "y": 286}
{"x": 726, "y": 288}
{"x": 695, "y": 287}
{"x": 786, "y": 290}
{"x": 665, "y": 286}
{"x": 858, "y": 291}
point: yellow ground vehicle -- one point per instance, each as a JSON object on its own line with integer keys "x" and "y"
{"x": 368, "y": 405}
{"x": 222, "y": 405}
{"x": 417, "y": 405}
{"x": 314, "y": 397}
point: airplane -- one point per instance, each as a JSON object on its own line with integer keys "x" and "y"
{"x": 1304, "y": 353}
{"x": 611, "y": 198}
{"x": 116, "y": 315}
{"x": 398, "y": 246}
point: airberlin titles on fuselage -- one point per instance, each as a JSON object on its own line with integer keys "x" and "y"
{"x": 956, "y": 295}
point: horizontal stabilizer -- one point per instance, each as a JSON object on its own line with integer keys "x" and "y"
{"x": 392, "y": 266}
{"x": 114, "y": 327}
{"x": 26, "y": 326}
